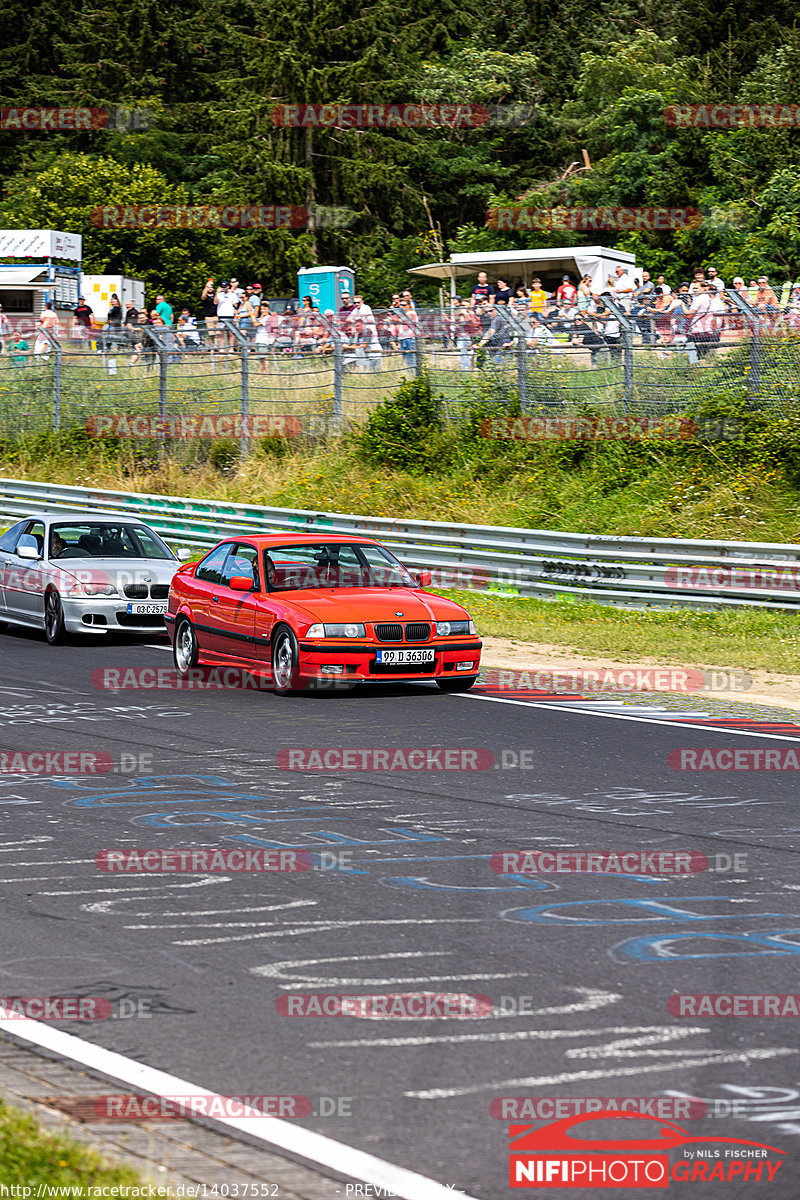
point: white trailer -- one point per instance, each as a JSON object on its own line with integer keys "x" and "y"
{"x": 98, "y": 289}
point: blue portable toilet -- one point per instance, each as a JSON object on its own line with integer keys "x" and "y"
{"x": 325, "y": 285}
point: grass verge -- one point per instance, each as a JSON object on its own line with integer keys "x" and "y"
{"x": 29, "y": 1156}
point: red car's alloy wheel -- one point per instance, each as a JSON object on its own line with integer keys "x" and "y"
{"x": 285, "y": 661}
{"x": 185, "y": 650}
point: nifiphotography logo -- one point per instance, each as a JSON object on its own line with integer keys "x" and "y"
{"x": 554, "y": 1156}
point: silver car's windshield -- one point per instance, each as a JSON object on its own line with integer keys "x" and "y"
{"x": 101, "y": 539}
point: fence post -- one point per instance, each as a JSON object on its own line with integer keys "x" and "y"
{"x": 627, "y": 347}
{"x": 338, "y": 368}
{"x": 754, "y": 323}
{"x": 56, "y": 346}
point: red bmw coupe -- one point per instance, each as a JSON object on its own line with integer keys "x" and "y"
{"x": 303, "y": 609}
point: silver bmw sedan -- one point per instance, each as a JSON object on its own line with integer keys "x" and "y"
{"x": 85, "y": 572}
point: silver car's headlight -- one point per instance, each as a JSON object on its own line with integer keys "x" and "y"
{"x": 454, "y": 628}
{"x": 92, "y": 589}
{"x": 343, "y": 631}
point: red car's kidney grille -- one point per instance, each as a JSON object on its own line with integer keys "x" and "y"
{"x": 419, "y": 632}
{"x": 389, "y": 633}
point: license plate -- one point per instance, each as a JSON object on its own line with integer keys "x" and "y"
{"x": 391, "y": 657}
{"x": 153, "y": 610}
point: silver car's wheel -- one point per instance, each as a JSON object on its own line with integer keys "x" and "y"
{"x": 54, "y": 629}
{"x": 285, "y": 662}
{"x": 185, "y": 650}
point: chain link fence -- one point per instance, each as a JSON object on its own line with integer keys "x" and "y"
{"x": 311, "y": 375}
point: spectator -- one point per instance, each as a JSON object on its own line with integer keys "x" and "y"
{"x": 236, "y": 291}
{"x": 114, "y": 319}
{"x": 714, "y": 280}
{"x": 361, "y": 309}
{"x": 187, "y": 334}
{"x": 702, "y": 327}
{"x": 164, "y": 310}
{"x": 698, "y": 282}
{"x": 82, "y": 327}
{"x": 208, "y": 300}
{"x": 498, "y": 336}
{"x": 48, "y": 321}
{"x": 142, "y": 346}
{"x": 566, "y": 290}
{"x": 641, "y": 303}
{"x": 538, "y": 297}
{"x": 346, "y": 304}
{"x": 5, "y": 329}
{"x": 131, "y": 313}
{"x": 503, "y": 292}
{"x": 662, "y": 283}
{"x": 611, "y": 332}
{"x": 20, "y": 352}
{"x": 226, "y": 303}
{"x": 482, "y": 291}
{"x": 266, "y": 325}
{"x": 465, "y": 327}
{"x": 765, "y": 299}
{"x": 408, "y": 324}
{"x": 247, "y": 312}
{"x": 622, "y": 289}
{"x": 584, "y": 297}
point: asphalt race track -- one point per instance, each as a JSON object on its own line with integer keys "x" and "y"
{"x": 579, "y": 967}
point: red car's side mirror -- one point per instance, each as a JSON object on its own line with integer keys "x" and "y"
{"x": 241, "y": 583}
{"x": 425, "y": 578}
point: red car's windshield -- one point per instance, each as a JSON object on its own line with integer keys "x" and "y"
{"x": 333, "y": 564}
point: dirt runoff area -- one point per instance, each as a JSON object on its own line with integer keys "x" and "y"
{"x": 552, "y": 668}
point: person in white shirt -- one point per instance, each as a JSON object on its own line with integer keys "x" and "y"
{"x": 226, "y": 303}
{"x": 702, "y": 327}
{"x": 714, "y": 279}
{"x": 623, "y": 288}
{"x": 665, "y": 288}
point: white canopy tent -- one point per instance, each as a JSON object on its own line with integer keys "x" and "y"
{"x": 521, "y": 266}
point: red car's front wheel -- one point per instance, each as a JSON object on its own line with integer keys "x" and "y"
{"x": 285, "y": 662}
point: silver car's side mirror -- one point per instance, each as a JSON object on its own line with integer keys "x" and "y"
{"x": 183, "y": 555}
{"x": 28, "y": 548}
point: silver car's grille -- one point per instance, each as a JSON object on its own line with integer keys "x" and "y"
{"x": 136, "y": 591}
{"x": 159, "y": 591}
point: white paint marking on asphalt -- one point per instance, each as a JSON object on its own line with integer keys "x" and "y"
{"x": 314, "y": 1147}
{"x": 324, "y": 926}
{"x": 11, "y": 847}
{"x": 742, "y": 1056}
{"x": 205, "y": 881}
{"x": 617, "y": 716}
{"x": 520, "y": 1035}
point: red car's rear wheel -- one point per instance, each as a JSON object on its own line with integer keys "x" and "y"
{"x": 285, "y": 662}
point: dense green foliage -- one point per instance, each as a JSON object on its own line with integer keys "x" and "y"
{"x": 599, "y": 81}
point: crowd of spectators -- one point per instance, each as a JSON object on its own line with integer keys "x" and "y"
{"x": 690, "y": 315}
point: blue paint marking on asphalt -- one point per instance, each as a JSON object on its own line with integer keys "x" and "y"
{"x": 654, "y": 948}
{"x": 658, "y": 909}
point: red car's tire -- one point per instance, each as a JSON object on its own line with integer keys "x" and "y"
{"x": 185, "y": 650}
{"x": 285, "y": 661}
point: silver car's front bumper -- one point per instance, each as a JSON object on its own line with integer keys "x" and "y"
{"x": 101, "y": 614}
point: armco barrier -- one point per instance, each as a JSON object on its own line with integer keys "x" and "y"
{"x": 636, "y": 572}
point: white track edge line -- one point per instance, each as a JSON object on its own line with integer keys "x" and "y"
{"x": 314, "y": 1147}
{"x": 618, "y": 716}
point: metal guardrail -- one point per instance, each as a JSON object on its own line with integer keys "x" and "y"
{"x": 634, "y": 572}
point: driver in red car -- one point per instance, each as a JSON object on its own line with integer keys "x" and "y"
{"x": 270, "y": 565}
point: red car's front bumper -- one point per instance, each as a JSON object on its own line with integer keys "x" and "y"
{"x": 360, "y": 662}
